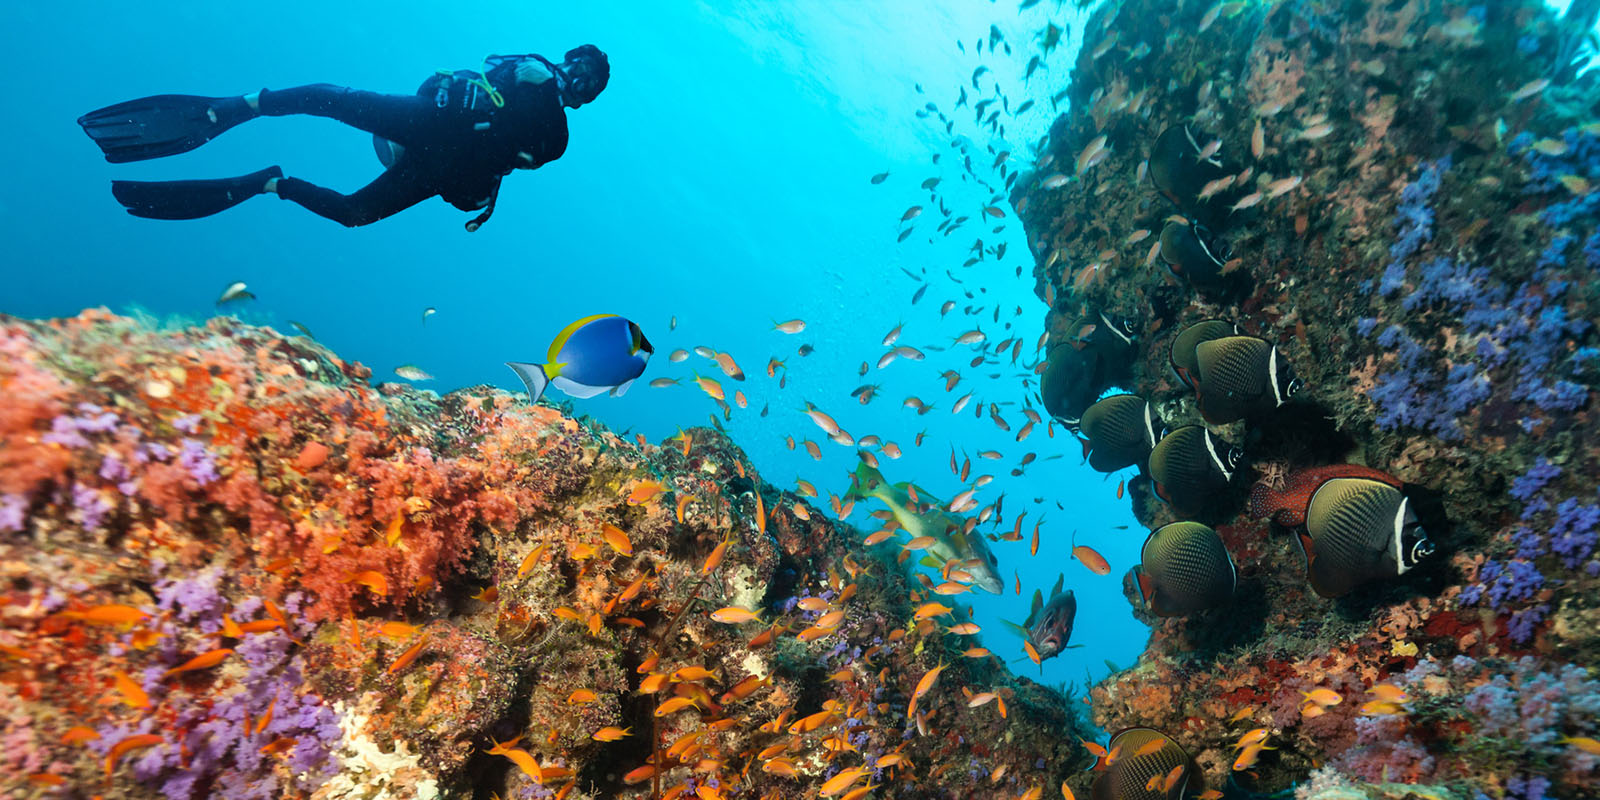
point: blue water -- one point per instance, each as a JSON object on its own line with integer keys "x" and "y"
{"x": 721, "y": 179}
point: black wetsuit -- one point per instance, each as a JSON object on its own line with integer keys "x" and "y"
{"x": 457, "y": 143}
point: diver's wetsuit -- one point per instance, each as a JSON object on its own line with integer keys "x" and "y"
{"x": 457, "y": 143}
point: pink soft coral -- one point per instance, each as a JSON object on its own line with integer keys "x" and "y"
{"x": 33, "y": 397}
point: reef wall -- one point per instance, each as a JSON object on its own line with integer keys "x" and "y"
{"x": 1411, "y": 210}
{"x": 232, "y": 567}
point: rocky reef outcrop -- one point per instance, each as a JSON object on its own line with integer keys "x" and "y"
{"x": 231, "y": 566}
{"x": 1398, "y": 199}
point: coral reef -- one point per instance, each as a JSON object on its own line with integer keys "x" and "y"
{"x": 1412, "y": 219}
{"x": 230, "y": 566}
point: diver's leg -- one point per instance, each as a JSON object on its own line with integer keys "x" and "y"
{"x": 393, "y": 191}
{"x": 402, "y": 118}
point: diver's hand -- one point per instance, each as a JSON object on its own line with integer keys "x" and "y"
{"x": 532, "y": 71}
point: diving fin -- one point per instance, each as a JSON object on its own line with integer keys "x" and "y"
{"x": 162, "y": 125}
{"x": 190, "y": 199}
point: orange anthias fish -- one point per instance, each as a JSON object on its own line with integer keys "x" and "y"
{"x": 529, "y": 560}
{"x": 130, "y": 691}
{"x": 395, "y": 528}
{"x": 716, "y": 557}
{"x": 844, "y": 780}
{"x": 617, "y": 538}
{"x": 710, "y": 387}
{"x": 371, "y": 579}
{"x": 877, "y": 537}
{"x": 282, "y": 744}
{"x": 692, "y": 673}
{"x": 1323, "y": 697}
{"x": 1149, "y": 747}
{"x": 408, "y": 656}
{"x": 1585, "y": 743}
{"x": 1378, "y": 708}
{"x": 205, "y": 660}
{"x": 126, "y": 746}
{"x": 675, "y": 704}
{"x": 645, "y": 492}
{"x": 109, "y": 615}
{"x": 923, "y": 687}
{"x": 1389, "y": 693}
{"x": 1171, "y": 780}
{"x": 735, "y": 615}
{"x": 729, "y": 366}
{"x": 610, "y": 733}
{"x": 632, "y": 590}
{"x": 1091, "y": 559}
{"x": 1247, "y": 758}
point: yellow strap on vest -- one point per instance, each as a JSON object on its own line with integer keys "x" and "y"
{"x": 482, "y": 82}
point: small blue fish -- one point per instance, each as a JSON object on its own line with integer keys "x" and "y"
{"x": 598, "y": 353}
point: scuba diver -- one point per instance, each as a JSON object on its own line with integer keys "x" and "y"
{"x": 457, "y": 137}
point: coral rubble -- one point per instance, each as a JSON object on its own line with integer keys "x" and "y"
{"x": 232, "y": 567}
{"x": 1410, "y": 210}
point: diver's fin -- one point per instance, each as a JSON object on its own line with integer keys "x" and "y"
{"x": 532, "y": 376}
{"x": 576, "y": 389}
{"x": 162, "y": 125}
{"x": 190, "y": 199}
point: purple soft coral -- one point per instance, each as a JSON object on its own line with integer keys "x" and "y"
{"x": 1538, "y": 476}
{"x": 195, "y": 458}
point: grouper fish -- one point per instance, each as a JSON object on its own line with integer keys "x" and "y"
{"x": 1049, "y": 624}
{"x": 968, "y": 549}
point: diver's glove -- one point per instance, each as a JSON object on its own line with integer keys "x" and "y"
{"x": 532, "y": 70}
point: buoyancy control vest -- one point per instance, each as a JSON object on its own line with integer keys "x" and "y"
{"x": 480, "y": 100}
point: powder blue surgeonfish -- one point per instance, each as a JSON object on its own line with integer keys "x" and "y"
{"x": 598, "y": 353}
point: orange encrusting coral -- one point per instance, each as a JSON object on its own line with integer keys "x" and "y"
{"x": 444, "y": 570}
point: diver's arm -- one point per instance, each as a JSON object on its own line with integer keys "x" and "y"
{"x": 532, "y": 70}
